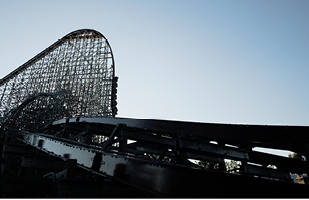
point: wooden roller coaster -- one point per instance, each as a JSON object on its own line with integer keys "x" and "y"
{"x": 60, "y": 138}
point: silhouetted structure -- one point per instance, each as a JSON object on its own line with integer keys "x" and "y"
{"x": 60, "y": 138}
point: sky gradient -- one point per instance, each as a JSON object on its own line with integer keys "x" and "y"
{"x": 235, "y": 62}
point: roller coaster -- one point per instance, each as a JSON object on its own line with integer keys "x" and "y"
{"x": 60, "y": 138}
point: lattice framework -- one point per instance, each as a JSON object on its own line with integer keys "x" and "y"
{"x": 81, "y": 63}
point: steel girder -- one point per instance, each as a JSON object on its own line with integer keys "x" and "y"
{"x": 277, "y": 137}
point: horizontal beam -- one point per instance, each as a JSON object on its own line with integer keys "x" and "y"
{"x": 278, "y": 137}
{"x": 266, "y": 172}
{"x": 42, "y": 163}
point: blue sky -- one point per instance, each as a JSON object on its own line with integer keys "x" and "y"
{"x": 223, "y": 61}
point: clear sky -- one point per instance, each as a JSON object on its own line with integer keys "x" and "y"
{"x": 221, "y": 61}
